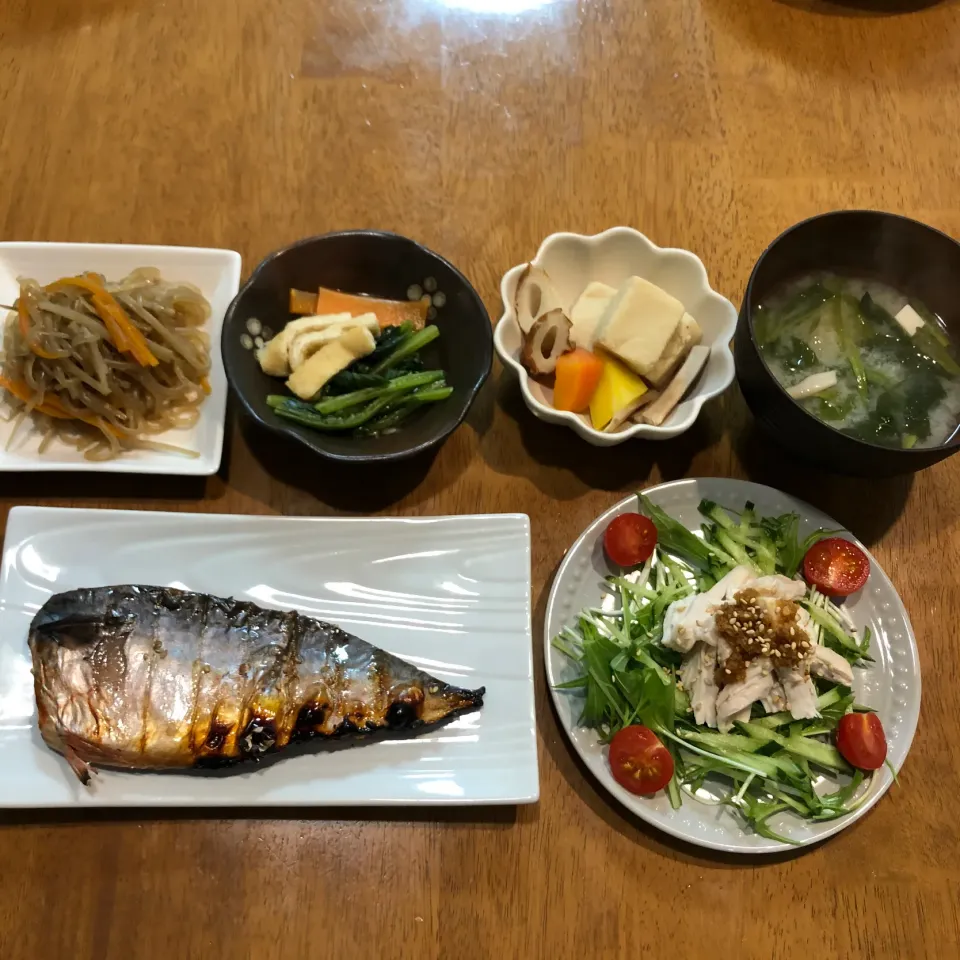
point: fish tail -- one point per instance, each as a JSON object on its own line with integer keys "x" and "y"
{"x": 78, "y": 765}
{"x": 442, "y": 701}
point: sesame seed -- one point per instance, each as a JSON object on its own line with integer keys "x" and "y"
{"x": 726, "y": 670}
{"x": 792, "y": 631}
{"x": 793, "y": 646}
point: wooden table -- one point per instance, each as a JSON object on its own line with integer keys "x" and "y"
{"x": 479, "y": 127}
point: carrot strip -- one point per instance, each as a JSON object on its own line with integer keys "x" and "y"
{"x": 52, "y": 407}
{"x": 62, "y": 413}
{"x": 17, "y": 387}
{"x": 135, "y": 340}
{"x": 116, "y": 331}
{"x": 124, "y": 334}
{"x": 205, "y": 385}
{"x": 389, "y": 313}
{"x": 23, "y": 393}
{"x": 118, "y": 335}
{"x": 23, "y": 317}
{"x": 102, "y": 424}
{"x": 302, "y": 302}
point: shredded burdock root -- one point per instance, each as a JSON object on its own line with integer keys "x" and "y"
{"x": 107, "y": 365}
{"x": 755, "y": 626}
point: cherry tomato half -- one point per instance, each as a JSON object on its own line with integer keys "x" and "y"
{"x": 836, "y": 567}
{"x": 861, "y": 741}
{"x": 630, "y": 539}
{"x": 639, "y": 762}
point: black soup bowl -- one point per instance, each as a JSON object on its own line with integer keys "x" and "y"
{"x": 382, "y": 265}
{"x": 915, "y": 259}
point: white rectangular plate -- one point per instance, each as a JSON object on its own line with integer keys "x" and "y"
{"x": 215, "y": 272}
{"x": 449, "y": 594}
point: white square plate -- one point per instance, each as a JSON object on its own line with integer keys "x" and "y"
{"x": 215, "y": 272}
{"x": 449, "y": 594}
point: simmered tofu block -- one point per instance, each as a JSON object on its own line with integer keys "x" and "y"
{"x": 638, "y": 324}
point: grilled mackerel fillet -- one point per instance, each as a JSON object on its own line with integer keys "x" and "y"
{"x": 151, "y": 677}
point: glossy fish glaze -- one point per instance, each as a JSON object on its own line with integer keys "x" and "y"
{"x": 152, "y": 677}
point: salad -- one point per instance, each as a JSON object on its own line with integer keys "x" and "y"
{"x": 712, "y": 668}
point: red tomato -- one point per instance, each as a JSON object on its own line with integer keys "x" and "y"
{"x": 639, "y": 761}
{"x": 860, "y": 740}
{"x": 836, "y": 567}
{"x": 630, "y": 539}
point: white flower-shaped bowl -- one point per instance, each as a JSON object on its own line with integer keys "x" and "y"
{"x": 572, "y": 261}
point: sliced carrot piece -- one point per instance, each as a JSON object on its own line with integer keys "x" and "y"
{"x": 205, "y": 385}
{"x": 577, "y": 376}
{"x": 302, "y": 303}
{"x": 389, "y": 313}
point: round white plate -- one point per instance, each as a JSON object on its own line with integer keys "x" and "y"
{"x": 891, "y": 684}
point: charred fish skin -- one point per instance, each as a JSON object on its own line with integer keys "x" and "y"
{"x": 153, "y": 677}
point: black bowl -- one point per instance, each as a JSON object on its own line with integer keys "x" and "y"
{"x": 382, "y": 265}
{"x": 915, "y": 259}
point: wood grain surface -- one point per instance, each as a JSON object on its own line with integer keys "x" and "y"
{"x": 478, "y": 127}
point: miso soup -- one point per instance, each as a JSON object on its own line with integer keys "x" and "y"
{"x": 863, "y": 358}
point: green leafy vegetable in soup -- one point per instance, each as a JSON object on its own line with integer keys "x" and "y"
{"x": 864, "y": 359}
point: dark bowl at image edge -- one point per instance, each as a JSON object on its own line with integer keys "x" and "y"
{"x": 918, "y": 261}
{"x": 382, "y": 265}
